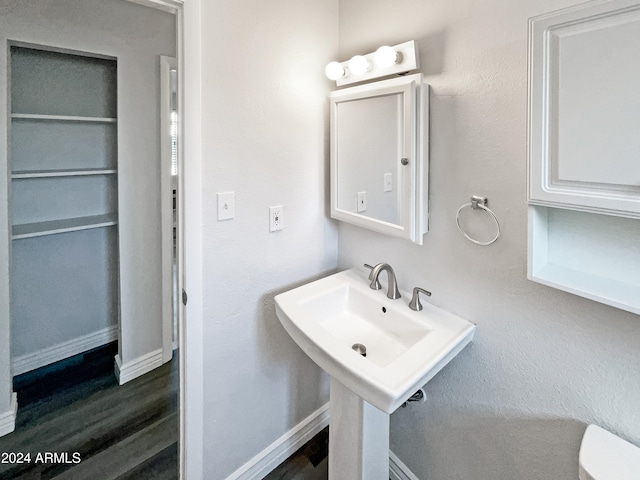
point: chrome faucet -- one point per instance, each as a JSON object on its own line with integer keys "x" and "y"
{"x": 415, "y": 304}
{"x": 392, "y": 288}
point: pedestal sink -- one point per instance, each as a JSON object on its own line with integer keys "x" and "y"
{"x": 331, "y": 319}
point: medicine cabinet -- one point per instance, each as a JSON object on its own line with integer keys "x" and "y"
{"x": 584, "y": 174}
{"x": 379, "y": 156}
{"x": 585, "y": 108}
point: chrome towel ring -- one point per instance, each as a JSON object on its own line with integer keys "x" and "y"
{"x": 478, "y": 203}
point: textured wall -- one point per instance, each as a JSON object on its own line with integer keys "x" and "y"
{"x": 262, "y": 97}
{"x": 544, "y": 363}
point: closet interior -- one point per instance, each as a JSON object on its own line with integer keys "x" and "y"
{"x": 63, "y": 204}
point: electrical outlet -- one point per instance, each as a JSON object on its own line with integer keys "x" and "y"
{"x": 362, "y": 201}
{"x": 275, "y": 218}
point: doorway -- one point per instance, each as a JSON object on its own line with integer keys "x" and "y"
{"x": 109, "y": 29}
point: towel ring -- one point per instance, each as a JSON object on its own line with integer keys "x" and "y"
{"x": 478, "y": 203}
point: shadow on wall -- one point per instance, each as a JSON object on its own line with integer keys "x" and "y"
{"x": 307, "y": 384}
{"x": 432, "y": 52}
{"x": 490, "y": 447}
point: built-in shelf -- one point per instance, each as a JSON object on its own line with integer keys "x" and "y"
{"x": 63, "y": 201}
{"x": 29, "y": 230}
{"x": 587, "y": 254}
{"x": 71, "y": 172}
{"x": 62, "y": 118}
{"x": 600, "y": 288}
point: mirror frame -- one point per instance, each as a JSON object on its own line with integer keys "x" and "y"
{"x": 415, "y": 146}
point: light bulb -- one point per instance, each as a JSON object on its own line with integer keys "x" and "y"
{"x": 334, "y": 71}
{"x": 359, "y": 65}
{"x": 386, "y": 56}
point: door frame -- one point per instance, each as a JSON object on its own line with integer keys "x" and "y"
{"x": 191, "y": 435}
{"x": 176, "y": 7}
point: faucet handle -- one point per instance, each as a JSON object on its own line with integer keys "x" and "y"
{"x": 377, "y": 285}
{"x": 415, "y": 304}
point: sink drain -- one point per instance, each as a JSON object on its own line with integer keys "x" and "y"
{"x": 359, "y": 348}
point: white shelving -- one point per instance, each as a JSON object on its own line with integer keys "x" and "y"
{"x": 70, "y": 172}
{"x": 600, "y": 288}
{"x": 62, "y": 118}
{"x": 587, "y": 254}
{"x": 51, "y": 227}
{"x": 63, "y": 143}
{"x": 64, "y": 197}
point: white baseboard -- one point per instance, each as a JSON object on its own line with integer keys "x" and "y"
{"x": 141, "y": 365}
{"x": 8, "y": 419}
{"x": 46, "y": 356}
{"x": 398, "y": 470}
{"x": 276, "y": 453}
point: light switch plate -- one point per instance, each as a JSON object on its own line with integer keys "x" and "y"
{"x": 388, "y": 182}
{"x": 226, "y": 205}
{"x": 362, "y": 201}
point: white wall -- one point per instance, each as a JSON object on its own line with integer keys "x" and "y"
{"x": 544, "y": 363}
{"x": 256, "y": 124}
{"x": 136, "y": 35}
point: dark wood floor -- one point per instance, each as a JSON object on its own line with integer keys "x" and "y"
{"x": 77, "y": 407}
{"x": 126, "y": 432}
{"x": 309, "y": 463}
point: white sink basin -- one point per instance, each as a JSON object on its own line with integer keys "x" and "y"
{"x": 405, "y": 348}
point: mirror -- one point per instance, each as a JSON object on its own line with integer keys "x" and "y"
{"x": 379, "y": 156}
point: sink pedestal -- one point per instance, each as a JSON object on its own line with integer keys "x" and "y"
{"x": 358, "y": 437}
{"x": 405, "y": 349}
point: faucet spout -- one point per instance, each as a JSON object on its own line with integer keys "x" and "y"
{"x": 392, "y": 287}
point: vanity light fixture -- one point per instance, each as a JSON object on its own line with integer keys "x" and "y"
{"x": 359, "y": 65}
{"x": 387, "y": 56}
{"x": 335, "y": 70}
{"x": 386, "y": 60}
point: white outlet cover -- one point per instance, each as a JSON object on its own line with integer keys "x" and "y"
{"x": 275, "y": 218}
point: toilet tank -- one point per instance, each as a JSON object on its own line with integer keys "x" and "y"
{"x": 604, "y": 456}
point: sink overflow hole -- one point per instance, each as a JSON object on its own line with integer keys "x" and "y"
{"x": 359, "y": 348}
{"x": 384, "y": 309}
